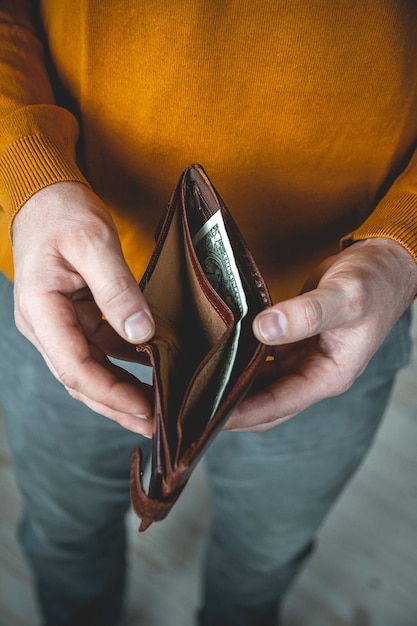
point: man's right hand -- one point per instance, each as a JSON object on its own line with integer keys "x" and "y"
{"x": 70, "y": 274}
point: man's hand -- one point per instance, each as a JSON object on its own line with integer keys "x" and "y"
{"x": 325, "y": 337}
{"x": 69, "y": 274}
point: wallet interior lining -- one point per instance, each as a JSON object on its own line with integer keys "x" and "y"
{"x": 187, "y": 317}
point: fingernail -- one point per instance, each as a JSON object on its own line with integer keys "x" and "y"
{"x": 141, "y": 416}
{"x": 272, "y": 325}
{"x": 139, "y": 326}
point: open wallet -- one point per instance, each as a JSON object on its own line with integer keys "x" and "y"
{"x": 204, "y": 290}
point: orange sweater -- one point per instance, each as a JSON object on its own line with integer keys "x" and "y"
{"x": 304, "y": 115}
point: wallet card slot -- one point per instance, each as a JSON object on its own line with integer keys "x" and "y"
{"x": 198, "y": 403}
{"x": 196, "y": 410}
{"x": 213, "y": 321}
{"x": 201, "y": 200}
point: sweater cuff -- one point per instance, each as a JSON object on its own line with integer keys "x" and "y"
{"x": 394, "y": 218}
{"x": 37, "y": 149}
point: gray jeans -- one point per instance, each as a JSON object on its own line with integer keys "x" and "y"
{"x": 269, "y": 491}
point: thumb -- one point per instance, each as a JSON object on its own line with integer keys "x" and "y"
{"x": 118, "y": 296}
{"x": 301, "y": 317}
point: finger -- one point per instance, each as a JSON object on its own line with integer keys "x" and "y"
{"x": 82, "y": 369}
{"x": 286, "y": 361}
{"x": 136, "y": 423}
{"x": 113, "y": 345}
{"x": 98, "y": 331}
{"x": 304, "y": 316}
{"x": 319, "y": 378}
{"x": 115, "y": 290}
{"x": 88, "y": 314}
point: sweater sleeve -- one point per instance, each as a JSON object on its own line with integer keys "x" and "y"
{"x": 395, "y": 216}
{"x": 37, "y": 137}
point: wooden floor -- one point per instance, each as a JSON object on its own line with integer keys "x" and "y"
{"x": 364, "y": 572}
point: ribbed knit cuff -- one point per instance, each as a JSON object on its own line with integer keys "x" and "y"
{"x": 37, "y": 149}
{"x": 394, "y": 218}
{"x": 29, "y": 165}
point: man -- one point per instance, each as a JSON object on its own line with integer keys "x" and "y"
{"x": 304, "y": 118}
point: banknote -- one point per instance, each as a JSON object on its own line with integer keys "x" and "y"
{"x": 216, "y": 257}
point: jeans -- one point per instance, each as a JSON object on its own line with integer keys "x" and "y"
{"x": 269, "y": 491}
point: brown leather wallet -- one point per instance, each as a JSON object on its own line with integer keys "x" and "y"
{"x": 204, "y": 354}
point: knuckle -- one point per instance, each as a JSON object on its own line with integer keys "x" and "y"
{"x": 19, "y": 321}
{"x": 68, "y": 374}
{"x": 21, "y": 314}
{"x": 98, "y": 230}
{"x": 342, "y": 384}
{"x": 313, "y": 315}
{"x": 342, "y": 387}
{"x": 356, "y": 295}
{"x": 74, "y": 394}
{"x": 115, "y": 292}
{"x": 69, "y": 381}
